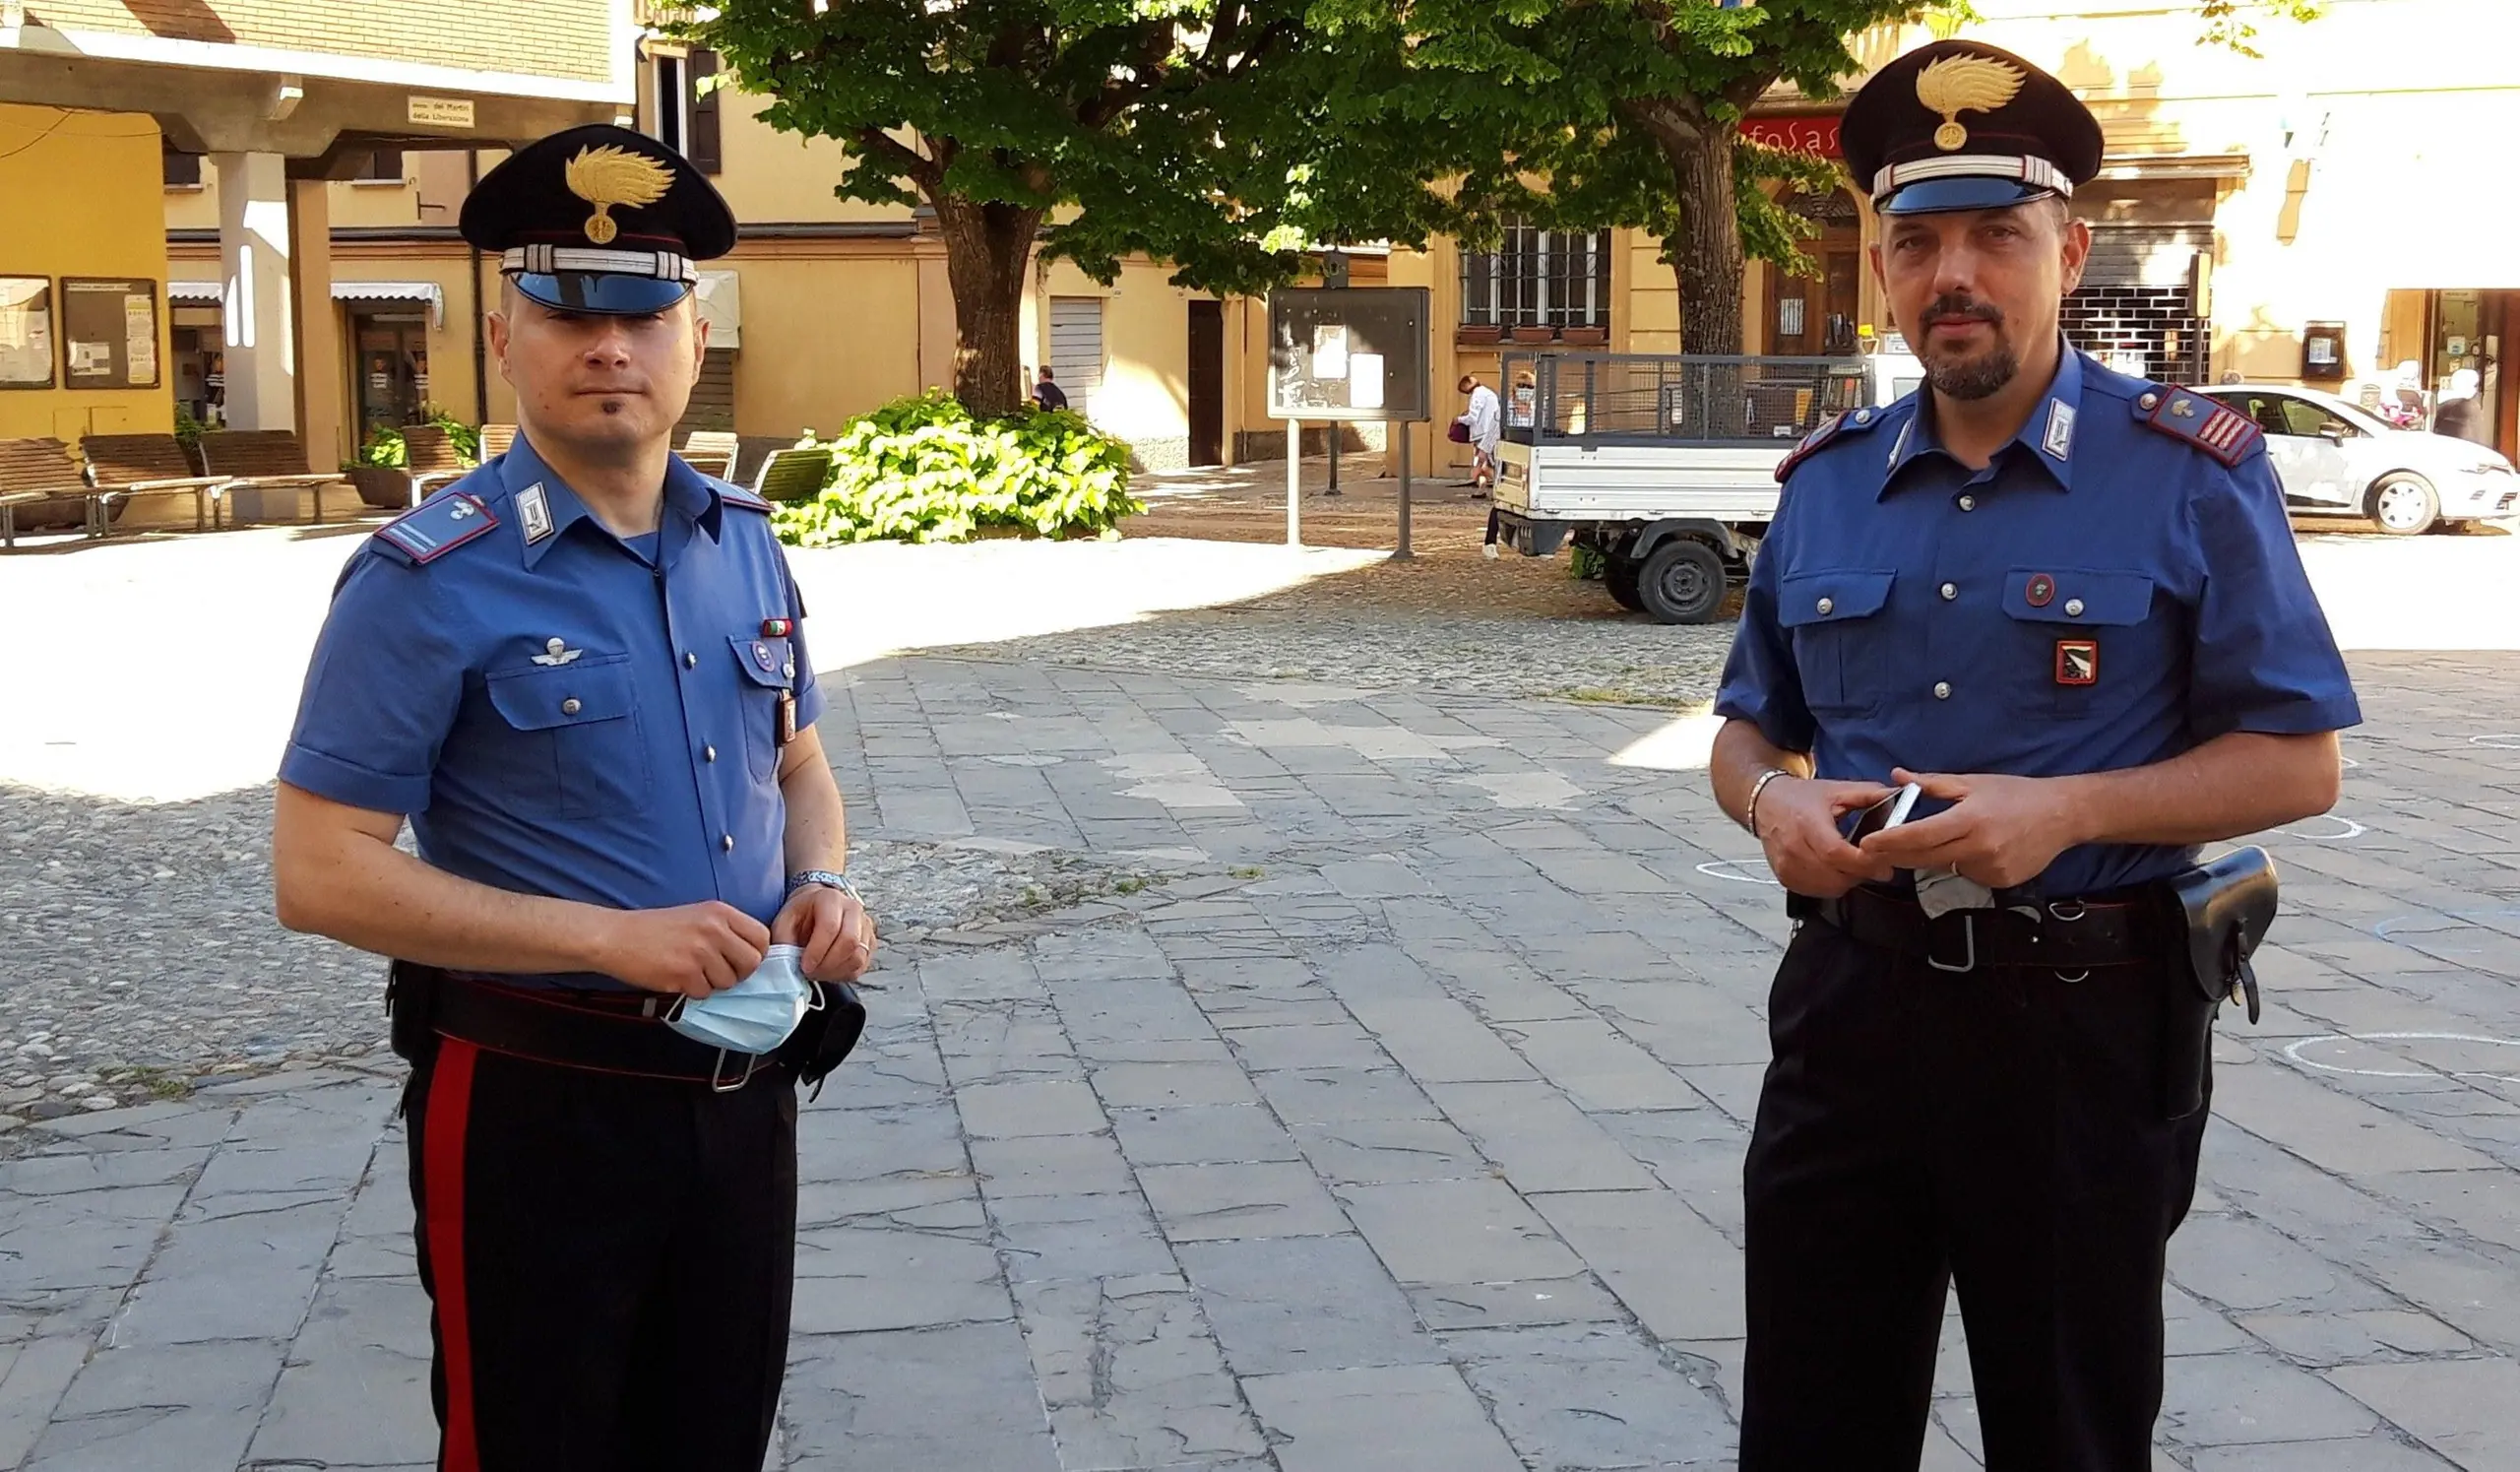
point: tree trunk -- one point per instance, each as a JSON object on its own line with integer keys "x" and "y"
{"x": 989, "y": 248}
{"x": 1707, "y": 253}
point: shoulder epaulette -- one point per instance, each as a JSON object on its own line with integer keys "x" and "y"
{"x": 2216, "y": 428}
{"x": 1832, "y": 428}
{"x": 736, "y": 496}
{"x": 437, "y": 527}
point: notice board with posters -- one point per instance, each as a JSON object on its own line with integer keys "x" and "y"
{"x": 26, "y": 331}
{"x": 108, "y": 333}
{"x": 1350, "y": 353}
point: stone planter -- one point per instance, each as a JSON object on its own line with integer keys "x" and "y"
{"x": 1534, "y": 337}
{"x": 1584, "y": 337}
{"x": 384, "y": 486}
{"x": 1479, "y": 337}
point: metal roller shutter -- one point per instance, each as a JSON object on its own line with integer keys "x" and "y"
{"x": 1076, "y": 347}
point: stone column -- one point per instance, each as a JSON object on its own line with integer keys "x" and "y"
{"x": 253, "y": 258}
{"x": 319, "y": 400}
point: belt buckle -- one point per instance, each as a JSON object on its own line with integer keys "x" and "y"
{"x": 1968, "y": 943}
{"x": 720, "y": 1084}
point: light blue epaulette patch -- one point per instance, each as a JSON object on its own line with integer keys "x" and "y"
{"x": 436, "y": 527}
{"x": 2212, "y": 426}
{"x": 1832, "y": 428}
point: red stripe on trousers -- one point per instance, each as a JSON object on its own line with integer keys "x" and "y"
{"x": 450, "y": 1109}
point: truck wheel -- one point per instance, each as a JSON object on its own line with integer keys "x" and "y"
{"x": 1681, "y": 582}
{"x": 1620, "y": 575}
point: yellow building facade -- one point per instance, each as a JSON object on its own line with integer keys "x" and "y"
{"x": 2322, "y": 213}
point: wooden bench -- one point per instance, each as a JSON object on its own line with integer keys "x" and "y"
{"x": 792, "y": 474}
{"x": 264, "y": 460}
{"x": 431, "y": 459}
{"x": 710, "y": 452}
{"x": 122, "y": 466}
{"x": 34, "y": 472}
{"x": 496, "y": 440}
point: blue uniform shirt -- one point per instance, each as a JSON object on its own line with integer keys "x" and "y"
{"x": 2103, "y": 594}
{"x": 558, "y": 713}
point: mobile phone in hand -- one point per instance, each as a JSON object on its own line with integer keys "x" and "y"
{"x": 1889, "y": 812}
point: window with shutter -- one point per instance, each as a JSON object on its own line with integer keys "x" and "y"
{"x": 704, "y": 151}
{"x": 1076, "y": 348}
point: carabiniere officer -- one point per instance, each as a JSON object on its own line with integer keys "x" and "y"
{"x": 579, "y": 672}
{"x": 2067, "y": 603}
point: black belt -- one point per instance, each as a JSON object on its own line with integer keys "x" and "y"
{"x": 596, "y": 1031}
{"x": 2066, "y": 935}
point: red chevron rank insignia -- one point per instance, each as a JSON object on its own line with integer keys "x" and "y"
{"x": 2220, "y": 431}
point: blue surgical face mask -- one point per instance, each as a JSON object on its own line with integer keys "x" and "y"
{"x": 756, "y": 1015}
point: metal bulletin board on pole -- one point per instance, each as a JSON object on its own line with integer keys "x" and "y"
{"x": 1339, "y": 355}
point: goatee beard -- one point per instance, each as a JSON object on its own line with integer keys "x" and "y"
{"x": 1977, "y": 378}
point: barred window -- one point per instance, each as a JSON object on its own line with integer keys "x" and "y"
{"x": 1538, "y": 279}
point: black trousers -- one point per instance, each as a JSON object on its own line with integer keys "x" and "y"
{"x": 609, "y": 1262}
{"x": 2000, "y": 1131}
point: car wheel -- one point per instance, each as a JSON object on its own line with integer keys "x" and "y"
{"x": 1620, "y": 575}
{"x": 1681, "y": 582}
{"x": 2403, "y": 504}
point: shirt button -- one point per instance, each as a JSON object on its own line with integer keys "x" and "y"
{"x": 1828, "y": 606}
{"x": 1942, "y": 690}
{"x": 1950, "y": 590}
{"x": 1968, "y": 503}
{"x": 570, "y": 706}
{"x": 727, "y": 842}
{"x": 709, "y": 754}
{"x": 690, "y": 661}
{"x": 2074, "y": 607}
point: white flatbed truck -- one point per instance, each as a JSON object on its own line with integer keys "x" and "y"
{"x": 1664, "y": 465}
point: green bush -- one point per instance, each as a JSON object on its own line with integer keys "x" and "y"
{"x": 925, "y": 470}
{"x": 385, "y": 447}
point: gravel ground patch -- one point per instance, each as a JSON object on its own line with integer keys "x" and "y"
{"x": 142, "y": 957}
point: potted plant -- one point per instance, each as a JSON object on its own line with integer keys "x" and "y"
{"x": 1528, "y": 336}
{"x": 1584, "y": 337}
{"x": 376, "y": 471}
{"x": 1478, "y": 334}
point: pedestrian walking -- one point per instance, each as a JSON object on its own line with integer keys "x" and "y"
{"x": 1485, "y": 422}
{"x": 1046, "y": 394}
{"x": 2066, "y": 605}
{"x": 579, "y": 672}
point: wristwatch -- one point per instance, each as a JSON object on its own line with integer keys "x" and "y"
{"x": 826, "y": 878}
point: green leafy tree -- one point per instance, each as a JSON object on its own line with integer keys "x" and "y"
{"x": 1188, "y": 130}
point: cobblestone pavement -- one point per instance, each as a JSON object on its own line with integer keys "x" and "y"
{"x": 1302, "y": 1074}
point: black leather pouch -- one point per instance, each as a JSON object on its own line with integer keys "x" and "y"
{"x": 2224, "y": 910}
{"x": 828, "y": 1035}
{"x": 410, "y": 1005}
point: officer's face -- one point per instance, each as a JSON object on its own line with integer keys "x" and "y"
{"x": 1973, "y": 290}
{"x": 602, "y": 385}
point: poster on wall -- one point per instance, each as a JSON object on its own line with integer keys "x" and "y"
{"x": 26, "y": 331}
{"x": 111, "y": 329}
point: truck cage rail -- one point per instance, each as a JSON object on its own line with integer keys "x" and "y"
{"x": 1590, "y": 398}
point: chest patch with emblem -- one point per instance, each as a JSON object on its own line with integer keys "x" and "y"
{"x": 2078, "y": 662}
{"x": 2041, "y": 591}
{"x": 762, "y": 656}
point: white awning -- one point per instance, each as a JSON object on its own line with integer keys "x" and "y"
{"x": 428, "y": 291}
{"x": 721, "y": 304}
{"x": 213, "y": 294}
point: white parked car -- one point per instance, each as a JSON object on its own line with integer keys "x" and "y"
{"x": 2335, "y": 458}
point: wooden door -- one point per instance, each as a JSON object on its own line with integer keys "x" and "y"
{"x": 1206, "y": 383}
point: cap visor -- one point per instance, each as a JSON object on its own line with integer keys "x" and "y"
{"x": 603, "y": 293}
{"x": 1947, "y": 196}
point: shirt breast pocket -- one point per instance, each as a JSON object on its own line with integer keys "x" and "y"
{"x": 2070, "y": 630}
{"x": 768, "y": 669}
{"x": 1834, "y": 619}
{"x": 578, "y": 750}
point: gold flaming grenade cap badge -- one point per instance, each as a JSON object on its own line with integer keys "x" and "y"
{"x": 1951, "y": 87}
{"x": 611, "y": 175}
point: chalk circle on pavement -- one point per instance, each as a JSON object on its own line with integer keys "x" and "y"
{"x": 1741, "y": 872}
{"x": 2351, "y": 829}
{"x": 2501, "y": 741}
{"x": 2417, "y": 1056}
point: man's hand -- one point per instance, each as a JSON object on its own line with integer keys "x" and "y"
{"x": 1999, "y": 831}
{"x": 1798, "y": 820}
{"x": 689, "y": 950}
{"x": 836, "y": 933}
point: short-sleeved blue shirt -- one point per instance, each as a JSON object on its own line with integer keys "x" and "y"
{"x": 558, "y": 713}
{"x": 2103, "y": 594}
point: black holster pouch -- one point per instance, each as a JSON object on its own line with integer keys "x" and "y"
{"x": 410, "y": 1004}
{"x": 827, "y": 1035}
{"x": 2225, "y": 909}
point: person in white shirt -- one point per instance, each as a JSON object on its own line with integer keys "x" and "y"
{"x": 1485, "y": 422}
